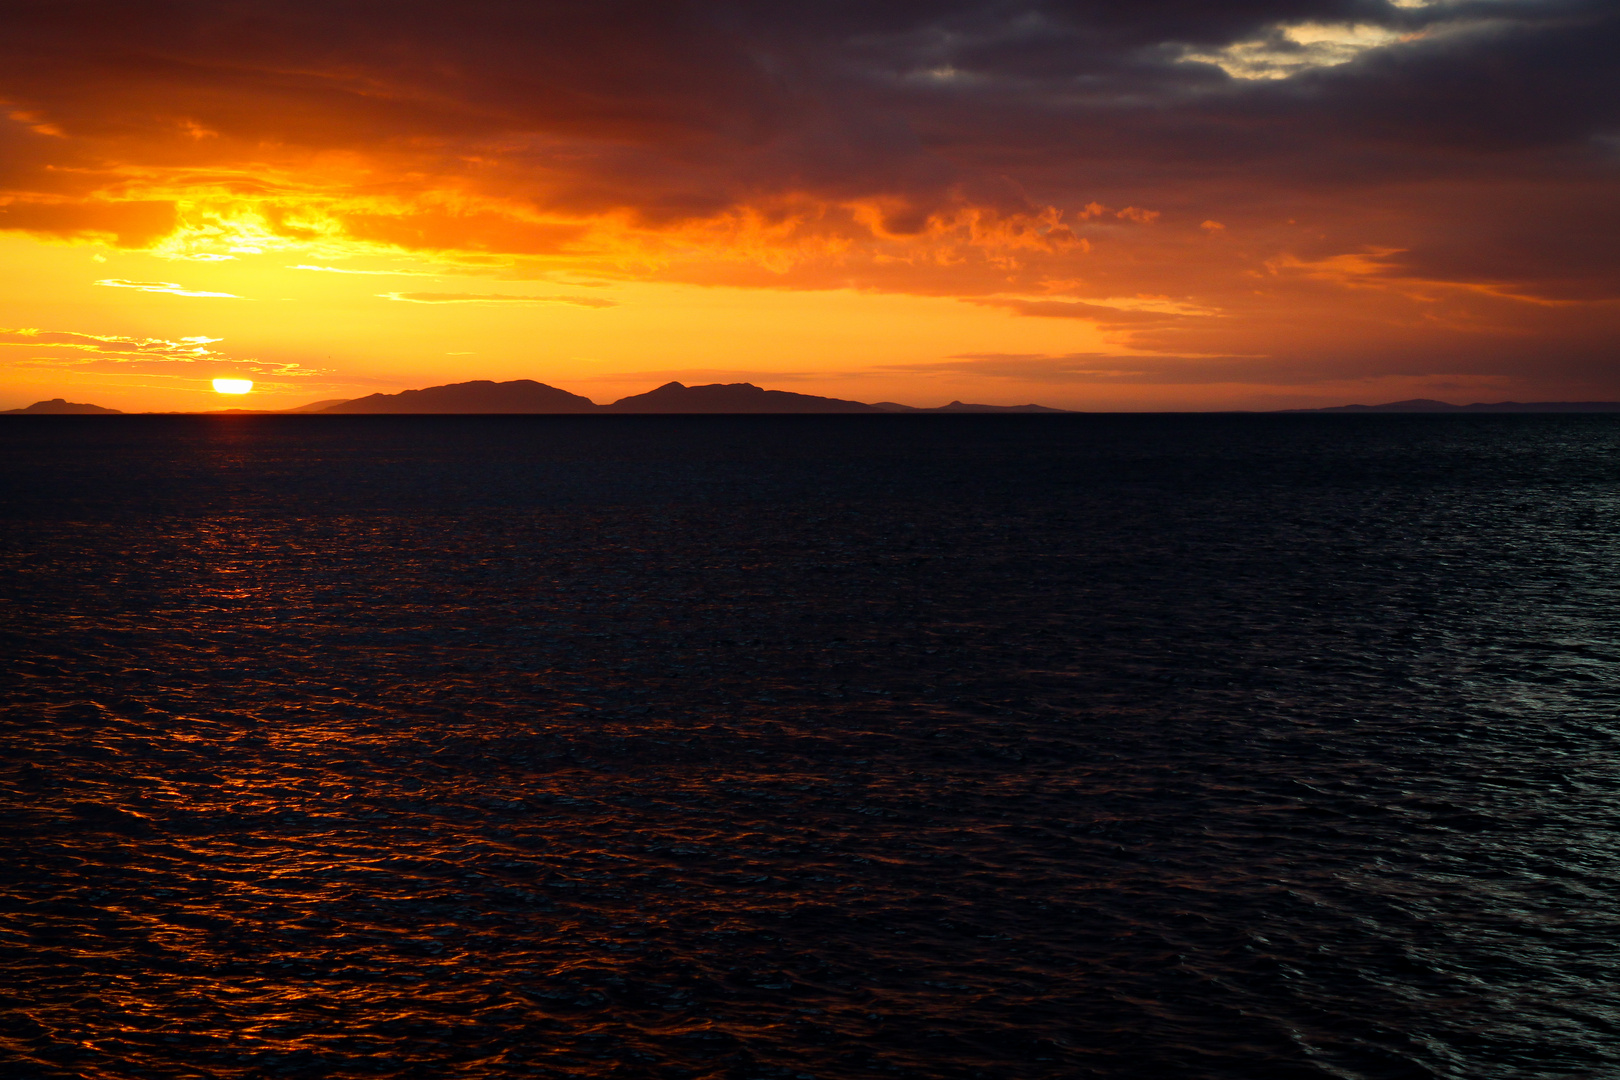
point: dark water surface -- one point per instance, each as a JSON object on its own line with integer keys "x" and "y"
{"x": 770, "y": 748}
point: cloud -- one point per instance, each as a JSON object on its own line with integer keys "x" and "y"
{"x": 187, "y": 348}
{"x": 546, "y": 128}
{"x": 121, "y": 222}
{"x": 368, "y": 273}
{"x": 1287, "y": 50}
{"x": 1101, "y": 314}
{"x": 1068, "y": 368}
{"x": 162, "y": 287}
{"x": 963, "y": 148}
{"x": 495, "y": 298}
{"x": 76, "y": 350}
{"x": 1081, "y": 368}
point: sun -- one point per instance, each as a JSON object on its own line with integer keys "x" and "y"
{"x": 232, "y": 386}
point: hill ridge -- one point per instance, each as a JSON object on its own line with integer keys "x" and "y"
{"x": 1430, "y": 405}
{"x": 59, "y": 407}
{"x": 674, "y": 397}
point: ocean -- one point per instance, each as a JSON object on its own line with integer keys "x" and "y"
{"x": 774, "y": 748}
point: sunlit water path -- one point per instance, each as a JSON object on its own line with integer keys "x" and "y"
{"x": 820, "y": 747}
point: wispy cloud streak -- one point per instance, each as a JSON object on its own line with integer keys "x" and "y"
{"x": 494, "y": 298}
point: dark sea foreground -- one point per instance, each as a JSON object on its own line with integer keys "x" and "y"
{"x": 762, "y": 748}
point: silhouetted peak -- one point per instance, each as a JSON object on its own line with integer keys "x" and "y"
{"x": 969, "y": 407}
{"x": 60, "y": 407}
{"x": 526, "y": 396}
{"x": 476, "y": 396}
{"x": 733, "y": 398}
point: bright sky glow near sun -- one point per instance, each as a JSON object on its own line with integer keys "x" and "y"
{"x": 1121, "y": 206}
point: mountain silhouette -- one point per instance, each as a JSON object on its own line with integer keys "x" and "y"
{"x": 673, "y": 397}
{"x": 58, "y": 407}
{"x": 528, "y": 396}
{"x": 963, "y": 407}
{"x": 480, "y": 396}
{"x": 312, "y": 407}
{"x": 1429, "y": 405}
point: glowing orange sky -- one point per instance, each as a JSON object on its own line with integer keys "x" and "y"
{"x": 1157, "y": 205}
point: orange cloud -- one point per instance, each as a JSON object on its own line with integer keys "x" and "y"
{"x": 969, "y": 150}
{"x": 163, "y": 287}
{"x": 118, "y": 352}
{"x": 495, "y": 298}
{"x": 131, "y": 223}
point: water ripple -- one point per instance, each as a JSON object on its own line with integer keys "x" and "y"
{"x": 701, "y": 747}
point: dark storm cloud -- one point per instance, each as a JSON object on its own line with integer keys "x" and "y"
{"x": 850, "y": 97}
{"x": 1485, "y": 81}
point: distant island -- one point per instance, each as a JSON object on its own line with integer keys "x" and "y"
{"x": 1429, "y": 405}
{"x": 525, "y": 396}
{"x": 58, "y": 407}
{"x": 312, "y": 407}
{"x": 528, "y": 396}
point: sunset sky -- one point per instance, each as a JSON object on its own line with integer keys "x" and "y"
{"x": 1175, "y": 204}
